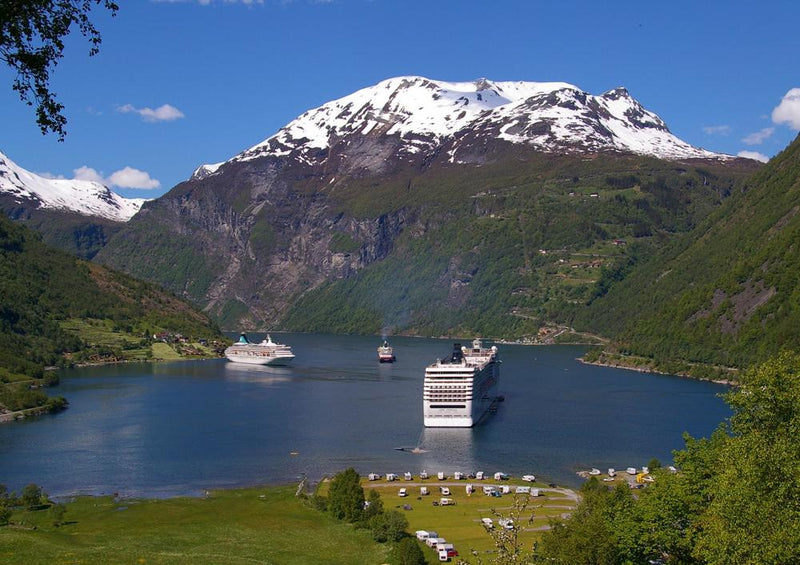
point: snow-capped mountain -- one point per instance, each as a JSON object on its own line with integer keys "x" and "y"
{"x": 84, "y": 197}
{"x": 426, "y": 115}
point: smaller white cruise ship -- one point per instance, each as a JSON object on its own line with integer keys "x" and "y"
{"x": 459, "y": 390}
{"x": 265, "y": 353}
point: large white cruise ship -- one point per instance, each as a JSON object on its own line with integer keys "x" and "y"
{"x": 458, "y": 390}
{"x": 265, "y": 353}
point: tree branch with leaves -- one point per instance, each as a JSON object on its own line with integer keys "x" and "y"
{"x": 32, "y": 34}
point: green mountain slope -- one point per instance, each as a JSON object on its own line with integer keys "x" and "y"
{"x": 75, "y": 233}
{"x": 508, "y": 248}
{"x": 56, "y": 310}
{"x": 728, "y": 292}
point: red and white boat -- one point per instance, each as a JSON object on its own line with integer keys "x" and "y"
{"x": 386, "y": 353}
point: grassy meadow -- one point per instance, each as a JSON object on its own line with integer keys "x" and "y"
{"x": 268, "y": 525}
{"x": 257, "y": 525}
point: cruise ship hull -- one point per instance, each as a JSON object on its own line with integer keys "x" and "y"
{"x": 255, "y": 360}
{"x": 457, "y": 393}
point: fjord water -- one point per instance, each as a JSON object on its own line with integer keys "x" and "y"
{"x": 167, "y": 429}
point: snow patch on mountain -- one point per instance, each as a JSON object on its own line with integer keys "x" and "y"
{"x": 425, "y": 113}
{"x": 207, "y": 170}
{"x": 84, "y": 197}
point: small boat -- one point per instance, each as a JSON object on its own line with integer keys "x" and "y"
{"x": 386, "y": 353}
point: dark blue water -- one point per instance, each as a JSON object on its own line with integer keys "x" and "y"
{"x": 179, "y": 428}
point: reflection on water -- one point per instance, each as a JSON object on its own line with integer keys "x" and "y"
{"x": 448, "y": 449}
{"x": 261, "y": 374}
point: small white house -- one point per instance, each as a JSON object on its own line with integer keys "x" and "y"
{"x": 440, "y": 475}
{"x": 423, "y": 491}
{"x": 391, "y": 477}
{"x": 458, "y": 475}
{"x": 479, "y": 475}
{"x": 373, "y": 476}
{"x": 407, "y": 476}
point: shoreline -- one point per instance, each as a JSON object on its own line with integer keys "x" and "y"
{"x": 641, "y": 369}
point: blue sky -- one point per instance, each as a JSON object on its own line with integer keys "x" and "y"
{"x": 179, "y": 83}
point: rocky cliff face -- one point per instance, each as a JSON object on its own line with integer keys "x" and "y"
{"x": 331, "y": 193}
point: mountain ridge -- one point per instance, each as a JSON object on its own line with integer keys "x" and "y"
{"x": 427, "y": 114}
{"x": 88, "y": 198}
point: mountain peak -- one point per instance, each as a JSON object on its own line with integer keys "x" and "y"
{"x": 84, "y": 197}
{"x": 421, "y": 115}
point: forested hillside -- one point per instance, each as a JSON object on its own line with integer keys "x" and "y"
{"x": 726, "y": 293}
{"x": 56, "y": 310}
{"x": 506, "y": 249}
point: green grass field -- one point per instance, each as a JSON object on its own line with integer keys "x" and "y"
{"x": 266, "y": 525}
{"x": 256, "y": 525}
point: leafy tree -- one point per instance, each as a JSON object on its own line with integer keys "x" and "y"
{"x": 374, "y": 505}
{"x": 388, "y": 526}
{"x": 588, "y": 537}
{"x": 754, "y": 514}
{"x": 408, "y": 552}
{"x": 735, "y": 500}
{"x": 5, "y": 514}
{"x": 32, "y": 495}
{"x": 32, "y": 36}
{"x": 346, "y": 496}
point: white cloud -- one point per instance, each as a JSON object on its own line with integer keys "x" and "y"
{"x": 133, "y": 178}
{"x": 164, "y": 113}
{"x": 759, "y": 137}
{"x": 123, "y": 178}
{"x": 753, "y": 155}
{"x": 717, "y": 130}
{"x": 788, "y": 111}
{"x": 88, "y": 173}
